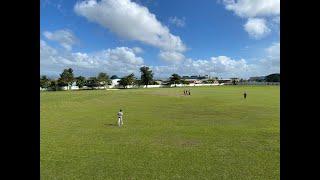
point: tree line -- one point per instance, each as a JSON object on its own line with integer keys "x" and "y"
{"x": 102, "y": 80}
{"x": 67, "y": 78}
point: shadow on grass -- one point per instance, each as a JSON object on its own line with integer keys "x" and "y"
{"x": 110, "y": 124}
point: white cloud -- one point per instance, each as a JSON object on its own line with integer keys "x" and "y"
{"x": 224, "y": 66}
{"x": 120, "y": 60}
{"x": 256, "y": 28}
{"x": 171, "y": 56}
{"x": 221, "y": 66}
{"x": 46, "y": 50}
{"x": 271, "y": 63}
{"x": 177, "y": 21}
{"x": 274, "y": 50}
{"x": 253, "y": 8}
{"x": 137, "y": 50}
{"x": 274, "y": 24}
{"x": 256, "y": 11}
{"x": 124, "y": 60}
{"x": 130, "y": 20}
{"x": 121, "y": 54}
{"x": 64, "y": 37}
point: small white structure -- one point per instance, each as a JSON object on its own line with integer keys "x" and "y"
{"x": 114, "y": 83}
{"x": 73, "y": 87}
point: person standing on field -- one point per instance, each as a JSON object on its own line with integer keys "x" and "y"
{"x": 120, "y": 121}
{"x": 245, "y": 94}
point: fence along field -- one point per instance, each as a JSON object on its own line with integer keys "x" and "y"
{"x": 212, "y": 134}
{"x": 172, "y": 85}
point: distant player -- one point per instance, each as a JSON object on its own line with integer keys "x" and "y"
{"x": 245, "y": 94}
{"x": 120, "y": 114}
{"x": 189, "y": 92}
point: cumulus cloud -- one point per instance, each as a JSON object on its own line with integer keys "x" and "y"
{"x": 224, "y": 66}
{"x": 171, "y": 56}
{"x": 256, "y": 28}
{"x": 124, "y": 60}
{"x": 137, "y": 50}
{"x": 256, "y": 11}
{"x": 221, "y": 66}
{"x": 47, "y": 55}
{"x": 274, "y": 50}
{"x": 179, "y": 22}
{"x": 64, "y": 37}
{"x": 253, "y": 8}
{"x": 130, "y": 20}
{"x": 271, "y": 63}
{"x": 121, "y": 54}
{"x": 120, "y": 60}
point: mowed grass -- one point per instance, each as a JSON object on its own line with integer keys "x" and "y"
{"x": 212, "y": 134}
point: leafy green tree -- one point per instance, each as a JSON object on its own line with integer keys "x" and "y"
{"x": 103, "y": 79}
{"x": 138, "y": 82}
{"x": 175, "y": 79}
{"x": 273, "y": 77}
{"x": 131, "y": 79}
{"x": 146, "y": 75}
{"x": 53, "y": 85}
{"x": 44, "y": 82}
{"x": 92, "y": 82}
{"x": 127, "y": 80}
{"x": 61, "y": 83}
{"x": 184, "y": 82}
{"x": 80, "y": 81}
{"x": 66, "y": 78}
{"x": 124, "y": 82}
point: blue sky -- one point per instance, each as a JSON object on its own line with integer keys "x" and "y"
{"x": 222, "y": 38}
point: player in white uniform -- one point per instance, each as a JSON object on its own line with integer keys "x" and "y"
{"x": 120, "y": 114}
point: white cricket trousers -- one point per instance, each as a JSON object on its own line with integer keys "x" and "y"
{"x": 120, "y": 122}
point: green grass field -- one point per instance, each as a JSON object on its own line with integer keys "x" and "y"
{"x": 212, "y": 134}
